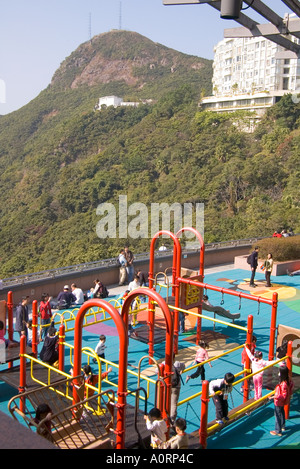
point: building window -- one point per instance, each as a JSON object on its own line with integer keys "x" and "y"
{"x": 285, "y": 83}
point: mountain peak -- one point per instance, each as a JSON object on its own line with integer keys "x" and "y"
{"x": 122, "y": 56}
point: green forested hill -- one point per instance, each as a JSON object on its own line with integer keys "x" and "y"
{"x": 60, "y": 159}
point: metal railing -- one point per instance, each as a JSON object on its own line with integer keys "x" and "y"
{"x": 69, "y": 426}
{"x": 112, "y": 262}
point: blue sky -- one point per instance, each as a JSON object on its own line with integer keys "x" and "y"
{"x": 37, "y": 35}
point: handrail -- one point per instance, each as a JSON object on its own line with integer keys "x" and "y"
{"x": 112, "y": 262}
{"x": 214, "y": 358}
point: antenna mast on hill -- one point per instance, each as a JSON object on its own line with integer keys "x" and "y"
{"x": 120, "y": 16}
{"x": 90, "y": 26}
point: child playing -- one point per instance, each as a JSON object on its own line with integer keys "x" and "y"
{"x": 281, "y": 397}
{"x": 201, "y": 356}
{"x": 8, "y": 343}
{"x": 100, "y": 347}
{"x": 252, "y": 350}
{"x": 45, "y": 314}
{"x": 43, "y": 411}
{"x": 244, "y": 355}
{"x": 257, "y": 364}
{"x": 157, "y": 426}
{"x": 92, "y": 379}
{"x": 181, "y": 439}
{"x": 49, "y": 352}
{"x": 220, "y": 400}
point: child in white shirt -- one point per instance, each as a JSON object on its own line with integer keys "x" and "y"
{"x": 100, "y": 347}
{"x": 157, "y": 426}
{"x": 257, "y": 364}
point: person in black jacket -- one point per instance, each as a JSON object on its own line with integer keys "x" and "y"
{"x": 49, "y": 352}
{"x": 65, "y": 298}
{"x": 22, "y": 318}
{"x": 253, "y": 265}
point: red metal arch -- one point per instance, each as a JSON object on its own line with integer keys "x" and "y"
{"x": 202, "y": 246}
{"x": 123, "y": 352}
{"x": 176, "y": 269}
{"x": 169, "y": 333}
{"x": 201, "y": 273}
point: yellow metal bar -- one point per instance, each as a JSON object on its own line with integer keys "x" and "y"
{"x": 200, "y": 392}
{"x": 259, "y": 371}
{"x": 207, "y": 317}
{"x": 244, "y": 410}
{"x": 214, "y": 358}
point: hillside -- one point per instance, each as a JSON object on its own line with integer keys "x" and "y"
{"x": 60, "y": 160}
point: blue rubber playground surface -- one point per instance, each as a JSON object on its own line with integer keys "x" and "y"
{"x": 251, "y": 431}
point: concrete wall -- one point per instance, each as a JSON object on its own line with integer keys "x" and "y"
{"x": 110, "y": 275}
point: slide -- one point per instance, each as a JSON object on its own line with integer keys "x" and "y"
{"x": 221, "y": 311}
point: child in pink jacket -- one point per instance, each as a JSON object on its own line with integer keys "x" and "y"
{"x": 201, "y": 356}
{"x": 257, "y": 364}
{"x": 283, "y": 392}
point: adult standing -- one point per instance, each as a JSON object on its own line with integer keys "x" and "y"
{"x": 176, "y": 380}
{"x": 122, "y": 268}
{"x": 253, "y": 265}
{"x": 45, "y": 314}
{"x": 22, "y": 318}
{"x": 129, "y": 264}
{"x": 268, "y": 265}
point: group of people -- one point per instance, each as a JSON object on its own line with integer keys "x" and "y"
{"x": 218, "y": 388}
{"x": 267, "y": 267}
{"x": 283, "y": 233}
{"x": 221, "y": 388}
{"x": 126, "y": 267}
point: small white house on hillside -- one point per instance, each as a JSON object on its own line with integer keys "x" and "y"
{"x": 114, "y": 101}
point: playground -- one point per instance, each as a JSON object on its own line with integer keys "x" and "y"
{"x": 142, "y": 362}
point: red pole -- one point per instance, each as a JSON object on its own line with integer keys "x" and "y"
{"x": 202, "y": 247}
{"x": 226, "y": 291}
{"x": 160, "y": 399}
{"x": 199, "y": 325}
{"x": 273, "y": 325}
{"x": 169, "y": 335}
{"x": 123, "y": 354}
{"x": 201, "y": 273}
{"x": 10, "y": 320}
{"x": 204, "y": 414}
{"x": 289, "y": 364}
{"x": 177, "y": 270}
{"x": 34, "y": 328}
{"x": 61, "y": 347}
{"x": 22, "y": 385}
{"x": 10, "y": 315}
{"x": 247, "y": 364}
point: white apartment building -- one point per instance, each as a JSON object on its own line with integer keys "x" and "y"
{"x": 251, "y": 74}
{"x": 247, "y": 65}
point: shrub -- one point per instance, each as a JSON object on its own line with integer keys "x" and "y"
{"x": 282, "y": 249}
